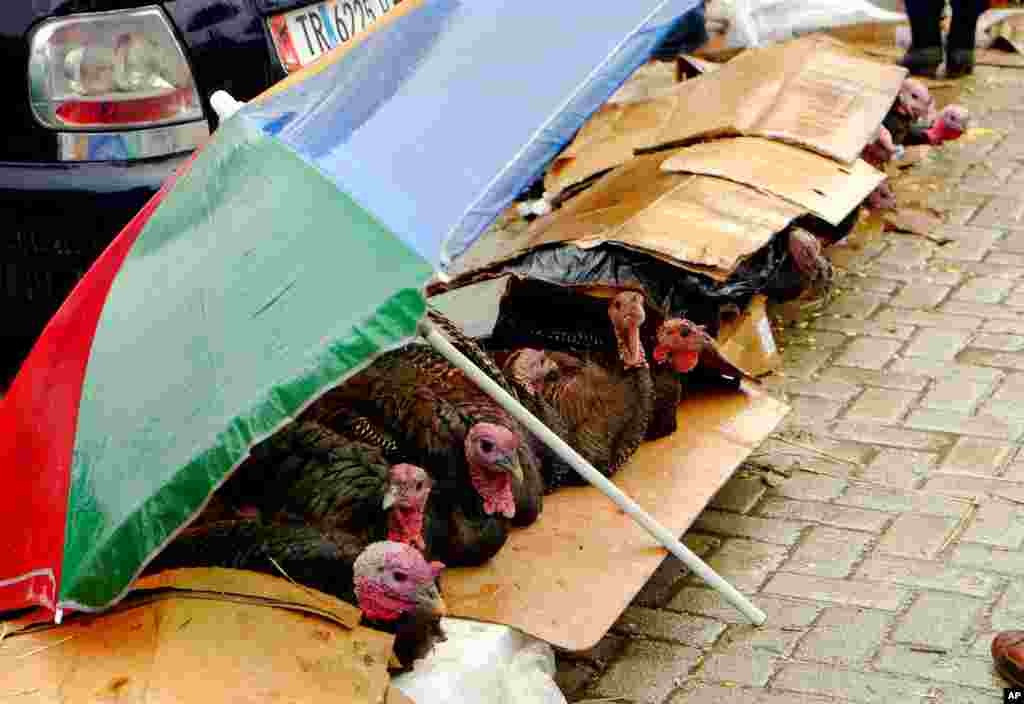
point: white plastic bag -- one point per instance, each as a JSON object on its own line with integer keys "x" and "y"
{"x": 483, "y": 663}
{"x": 755, "y": 23}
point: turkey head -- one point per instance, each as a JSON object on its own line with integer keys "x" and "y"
{"x": 881, "y": 150}
{"x": 949, "y": 125}
{"x": 493, "y": 463}
{"x": 814, "y": 267}
{"x": 530, "y": 368}
{"x": 914, "y": 100}
{"x": 882, "y": 198}
{"x": 627, "y": 314}
{"x": 406, "y": 501}
{"x": 680, "y": 343}
{"x": 393, "y": 579}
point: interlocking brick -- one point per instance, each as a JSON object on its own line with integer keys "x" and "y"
{"x": 937, "y": 344}
{"x": 1009, "y": 610}
{"x": 810, "y": 486}
{"x": 803, "y": 362}
{"x": 894, "y": 437}
{"x": 856, "y": 305}
{"x": 924, "y": 319}
{"x": 700, "y": 692}
{"x": 938, "y": 620}
{"x": 883, "y": 269}
{"x": 996, "y": 524}
{"x": 983, "y": 289}
{"x": 1008, "y": 400}
{"x": 991, "y": 559}
{"x": 668, "y": 578}
{"x": 906, "y": 251}
{"x": 936, "y": 666}
{"x": 1000, "y": 211}
{"x": 669, "y": 626}
{"x": 743, "y": 638}
{"x": 740, "y": 494}
{"x": 899, "y": 468}
{"x": 991, "y": 358}
{"x": 845, "y": 636}
{"x": 897, "y": 501}
{"x": 744, "y": 563}
{"x": 976, "y": 455}
{"x": 827, "y": 552}
{"x": 792, "y": 698}
{"x": 938, "y": 369}
{"x": 980, "y": 310}
{"x": 919, "y": 295}
{"x": 999, "y": 342}
{"x": 829, "y": 389}
{"x": 957, "y": 395}
{"x": 872, "y": 377}
{"x": 737, "y": 526}
{"x": 752, "y": 669}
{"x": 969, "y": 243}
{"x": 982, "y": 426}
{"x": 917, "y": 536}
{"x": 881, "y": 405}
{"x": 647, "y": 671}
{"x": 825, "y": 514}
{"x": 968, "y": 485}
{"x": 573, "y": 678}
{"x": 807, "y": 411}
{"x": 863, "y": 687}
{"x": 872, "y": 284}
{"x": 839, "y": 591}
{"x": 1005, "y": 327}
{"x": 869, "y": 352}
{"x": 782, "y": 613}
{"x": 894, "y": 330}
{"x": 919, "y": 574}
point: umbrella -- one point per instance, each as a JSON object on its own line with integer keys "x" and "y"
{"x": 292, "y": 250}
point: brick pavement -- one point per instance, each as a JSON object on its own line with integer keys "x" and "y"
{"x": 892, "y": 553}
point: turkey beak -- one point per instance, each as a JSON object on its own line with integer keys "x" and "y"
{"x": 390, "y": 498}
{"x": 431, "y": 599}
{"x": 510, "y": 464}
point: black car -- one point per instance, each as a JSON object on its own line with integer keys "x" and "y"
{"x": 105, "y": 99}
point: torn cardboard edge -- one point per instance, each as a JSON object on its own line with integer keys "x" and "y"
{"x": 747, "y": 340}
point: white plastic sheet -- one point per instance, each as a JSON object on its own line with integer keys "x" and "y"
{"x": 755, "y": 23}
{"x": 483, "y": 663}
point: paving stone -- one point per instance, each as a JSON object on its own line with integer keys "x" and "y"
{"x": 873, "y": 284}
{"x": 869, "y": 352}
{"x": 821, "y": 339}
{"x": 826, "y": 514}
{"x": 753, "y": 669}
{"x": 740, "y": 494}
{"x": 938, "y": 620}
{"x": 983, "y": 289}
{"x": 919, "y": 295}
{"x": 883, "y": 269}
{"x": 803, "y": 362}
{"x": 881, "y": 405}
{"x": 924, "y": 319}
{"x": 856, "y": 305}
{"x": 983, "y": 426}
{"x": 827, "y": 552}
{"x": 916, "y": 536}
{"x": 1001, "y": 211}
{"x": 669, "y": 626}
{"x": 981, "y": 310}
{"x": 647, "y": 671}
{"x": 1009, "y": 610}
{"x": 1005, "y": 259}
{"x": 894, "y": 330}
{"x": 810, "y": 486}
{"x": 899, "y": 468}
{"x": 982, "y": 646}
{"x": 792, "y": 698}
{"x": 1008, "y": 400}
{"x": 936, "y": 666}
{"x": 938, "y": 369}
{"x": 700, "y": 692}
{"x": 991, "y": 358}
{"x": 893, "y": 437}
{"x": 743, "y": 638}
{"x": 573, "y": 678}
{"x": 999, "y": 342}
{"x": 806, "y": 411}
{"x": 744, "y": 563}
{"x": 829, "y": 389}
{"x": 850, "y": 685}
{"x": 970, "y": 485}
{"x": 988, "y": 558}
{"x": 782, "y": 613}
{"x": 919, "y": 574}
{"x": 817, "y": 453}
{"x": 606, "y": 650}
{"x": 671, "y": 573}
{"x": 976, "y": 455}
{"x": 737, "y": 526}
{"x": 845, "y": 636}
{"x": 871, "y": 377}
{"x": 937, "y": 344}
{"x": 969, "y": 243}
{"x": 996, "y": 524}
{"x": 1008, "y": 327}
{"x": 901, "y": 501}
{"x": 838, "y": 591}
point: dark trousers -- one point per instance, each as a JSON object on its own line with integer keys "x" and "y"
{"x": 924, "y": 22}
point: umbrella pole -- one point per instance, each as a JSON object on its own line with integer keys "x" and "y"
{"x": 440, "y": 343}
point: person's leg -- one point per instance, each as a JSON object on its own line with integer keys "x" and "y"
{"x": 925, "y": 53}
{"x": 960, "y": 42}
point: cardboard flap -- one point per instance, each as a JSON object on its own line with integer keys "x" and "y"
{"x": 828, "y": 189}
{"x": 814, "y": 92}
{"x": 748, "y": 342}
{"x": 198, "y": 649}
{"x": 567, "y": 578}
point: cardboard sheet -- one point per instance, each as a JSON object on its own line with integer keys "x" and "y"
{"x": 823, "y": 186}
{"x": 747, "y": 340}
{"x": 222, "y": 640}
{"x": 814, "y": 92}
{"x": 567, "y": 578}
{"x": 699, "y": 223}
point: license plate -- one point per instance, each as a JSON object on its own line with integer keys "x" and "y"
{"x": 302, "y": 36}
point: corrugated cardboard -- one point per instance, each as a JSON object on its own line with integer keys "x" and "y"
{"x": 699, "y": 223}
{"x": 203, "y": 636}
{"x": 568, "y": 577}
{"x": 821, "y": 185}
{"x": 814, "y": 92}
{"x": 747, "y": 340}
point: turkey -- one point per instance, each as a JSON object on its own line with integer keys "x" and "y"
{"x": 807, "y": 270}
{"x": 913, "y": 103}
{"x": 446, "y": 424}
{"x": 950, "y": 124}
{"x": 307, "y": 472}
{"x": 391, "y": 583}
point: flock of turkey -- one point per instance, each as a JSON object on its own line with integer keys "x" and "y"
{"x": 409, "y": 467}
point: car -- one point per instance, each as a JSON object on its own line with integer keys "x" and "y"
{"x": 108, "y": 98}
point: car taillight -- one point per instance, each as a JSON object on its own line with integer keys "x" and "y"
{"x": 107, "y": 70}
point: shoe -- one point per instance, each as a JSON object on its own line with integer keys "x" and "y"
{"x": 959, "y": 62}
{"x": 1008, "y": 654}
{"x": 923, "y": 62}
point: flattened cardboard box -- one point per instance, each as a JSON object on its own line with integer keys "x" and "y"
{"x": 813, "y": 92}
{"x": 204, "y": 635}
